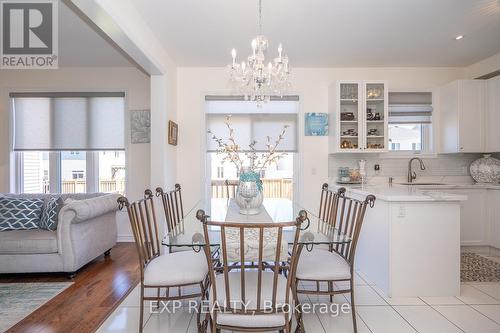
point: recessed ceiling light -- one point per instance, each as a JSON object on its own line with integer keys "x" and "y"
{"x": 459, "y": 37}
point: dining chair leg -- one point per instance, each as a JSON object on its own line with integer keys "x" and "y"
{"x": 353, "y": 310}
{"x": 141, "y": 314}
{"x": 158, "y": 299}
{"x": 330, "y": 290}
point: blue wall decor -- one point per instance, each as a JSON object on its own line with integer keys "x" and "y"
{"x": 316, "y": 124}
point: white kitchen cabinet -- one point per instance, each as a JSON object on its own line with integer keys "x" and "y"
{"x": 462, "y": 116}
{"x": 474, "y": 219}
{"x": 494, "y": 212}
{"x": 493, "y": 115}
{"x": 361, "y": 117}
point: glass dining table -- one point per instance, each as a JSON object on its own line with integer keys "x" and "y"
{"x": 189, "y": 231}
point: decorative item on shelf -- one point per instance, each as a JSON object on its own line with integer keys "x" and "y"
{"x": 349, "y": 92}
{"x": 347, "y": 116}
{"x": 316, "y": 124}
{"x": 375, "y": 146}
{"x": 373, "y": 132}
{"x": 350, "y": 132}
{"x": 346, "y": 144}
{"x": 173, "y": 130}
{"x": 376, "y": 116}
{"x": 374, "y": 93}
{"x": 256, "y": 80}
{"x": 486, "y": 169}
{"x": 140, "y": 126}
{"x": 369, "y": 114}
{"x": 249, "y": 193}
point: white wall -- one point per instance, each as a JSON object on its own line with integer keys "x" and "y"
{"x": 136, "y": 86}
{"x": 483, "y": 67}
{"x": 313, "y": 85}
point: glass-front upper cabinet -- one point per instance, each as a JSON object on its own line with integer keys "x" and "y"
{"x": 361, "y": 115}
{"x": 375, "y": 129}
{"x": 350, "y": 116}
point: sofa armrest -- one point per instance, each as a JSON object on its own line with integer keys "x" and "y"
{"x": 86, "y": 229}
{"x": 83, "y": 210}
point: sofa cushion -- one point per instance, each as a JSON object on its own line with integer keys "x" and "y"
{"x": 20, "y": 214}
{"x": 33, "y": 241}
{"x": 50, "y": 212}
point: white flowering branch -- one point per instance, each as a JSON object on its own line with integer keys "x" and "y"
{"x": 231, "y": 149}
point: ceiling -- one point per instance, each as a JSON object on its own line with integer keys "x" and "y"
{"x": 80, "y": 45}
{"x": 327, "y": 33}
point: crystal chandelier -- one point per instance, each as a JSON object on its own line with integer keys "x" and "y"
{"x": 256, "y": 80}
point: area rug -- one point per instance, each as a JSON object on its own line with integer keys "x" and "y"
{"x": 17, "y": 300}
{"x": 475, "y": 267}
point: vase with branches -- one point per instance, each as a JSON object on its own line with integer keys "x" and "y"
{"x": 249, "y": 193}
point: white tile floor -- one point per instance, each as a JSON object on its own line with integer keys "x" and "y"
{"x": 477, "y": 310}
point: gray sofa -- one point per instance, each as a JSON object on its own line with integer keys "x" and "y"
{"x": 86, "y": 228}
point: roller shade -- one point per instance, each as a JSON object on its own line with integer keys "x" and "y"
{"x": 68, "y": 121}
{"x": 253, "y": 123}
{"x": 410, "y": 108}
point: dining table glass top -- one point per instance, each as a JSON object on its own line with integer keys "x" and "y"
{"x": 189, "y": 231}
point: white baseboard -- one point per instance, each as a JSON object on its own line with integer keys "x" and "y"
{"x": 125, "y": 239}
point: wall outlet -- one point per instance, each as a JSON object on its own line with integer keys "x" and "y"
{"x": 402, "y": 211}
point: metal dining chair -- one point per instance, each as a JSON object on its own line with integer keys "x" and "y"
{"x": 231, "y": 188}
{"x": 158, "y": 271}
{"x": 172, "y": 205}
{"x": 251, "y": 297}
{"x": 345, "y": 216}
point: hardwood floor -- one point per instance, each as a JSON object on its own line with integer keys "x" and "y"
{"x": 97, "y": 290}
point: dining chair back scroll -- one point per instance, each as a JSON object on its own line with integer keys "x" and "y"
{"x": 248, "y": 291}
{"x": 172, "y": 205}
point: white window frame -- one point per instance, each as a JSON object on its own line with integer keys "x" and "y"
{"x": 55, "y": 180}
{"x": 297, "y": 155}
{"x": 427, "y": 149}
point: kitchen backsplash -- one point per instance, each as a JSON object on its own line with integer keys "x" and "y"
{"x": 442, "y": 165}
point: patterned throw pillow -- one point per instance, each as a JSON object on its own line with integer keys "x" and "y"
{"x": 50, "y": 213}
{"x": 20, "y": 214}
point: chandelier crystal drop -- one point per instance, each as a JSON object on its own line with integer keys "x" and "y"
{"x": 256, "y": 80}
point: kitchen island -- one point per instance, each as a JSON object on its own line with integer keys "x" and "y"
{"x": 409, "y": 244}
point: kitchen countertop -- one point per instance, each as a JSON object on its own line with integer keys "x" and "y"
{"x": 397, "y": 192}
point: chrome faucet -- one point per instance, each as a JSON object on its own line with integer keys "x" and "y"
{"x": 411, "y": 174}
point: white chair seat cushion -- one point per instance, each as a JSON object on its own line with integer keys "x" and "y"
{"x": 322, "y": 265}
{"x": 176, "y": 268}
{"x": 257, "y": 320}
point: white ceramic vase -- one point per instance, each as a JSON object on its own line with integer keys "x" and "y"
{"x": 485, "y": 169}
{"x": 249, "y": 198}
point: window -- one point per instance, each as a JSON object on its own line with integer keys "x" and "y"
{"x": 406, "y": 136}
{"x": 410, "y": 122}
{"x": 252, "y": 123}
{"x": 111, "y": 171}
{"x": 73, "y": 170}
{"x": 69, "y": 142}
{"x": 35, "y": 177}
